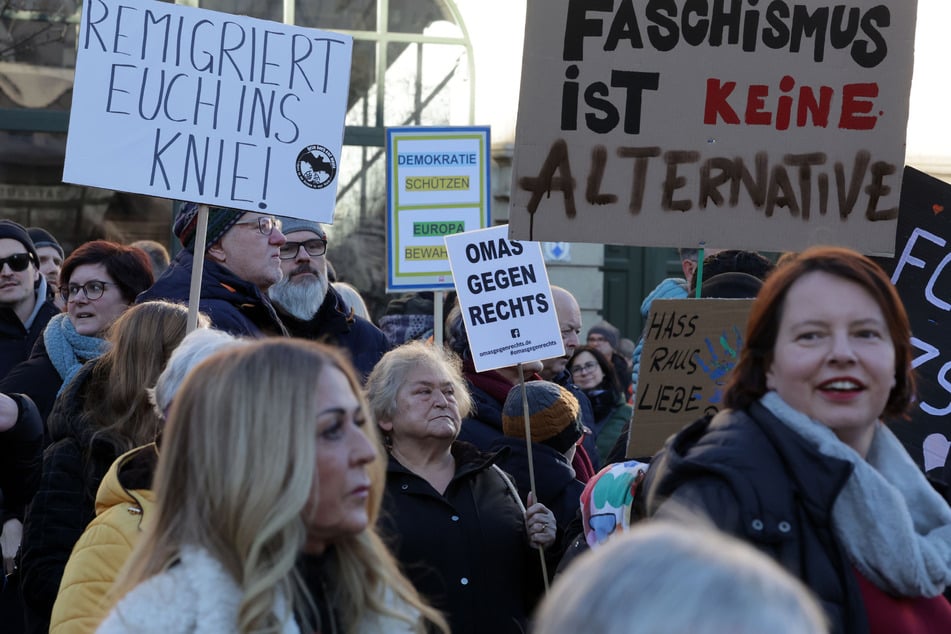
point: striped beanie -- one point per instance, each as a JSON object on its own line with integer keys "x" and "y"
{"x": 220, "y": 220}
{"x": 554, "y": 414}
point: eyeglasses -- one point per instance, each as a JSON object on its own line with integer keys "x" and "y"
{"x": 17, "y": 262}
{"x": 265, "y": 224}
{"x": 314, "y": 247}
{"x": 587, "y": 367}
{"x": 92, "y": 289}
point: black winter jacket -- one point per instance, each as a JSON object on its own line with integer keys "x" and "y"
{"x": 466, "y": 551}
{"x": 64, "y": 502}
{"x": 337, "y": 325}
{"x": 16, "y": 342}
{"x": 20, "y": 449}
{"x": 36, "y": 377}
{"x": 758, "y": 480}
{"x": 554, "y": 478}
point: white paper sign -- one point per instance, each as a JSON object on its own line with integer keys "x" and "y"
{"x": 502, "y": 288}
{"x": 196, "y": 105}
{"x": 775, "y": 125}
{"x": 437, "y": 184}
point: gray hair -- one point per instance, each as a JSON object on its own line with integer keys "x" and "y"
{"x": 668, "y": 578}
{"x": 393, "y": 369}
{"x": 197, "y": 346}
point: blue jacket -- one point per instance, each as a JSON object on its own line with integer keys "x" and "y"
{"x": 232, "y": 303}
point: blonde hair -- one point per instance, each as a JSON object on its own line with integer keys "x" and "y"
{"x": 117, "y": 402}
{"x": 221, "y": 428}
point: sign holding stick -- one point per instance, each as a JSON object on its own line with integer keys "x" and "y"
{"x": 772, "y": 125}
{"x": 190, "y": 104}
{"x": 503, "y": 291}
{"x": 690, "y": 346}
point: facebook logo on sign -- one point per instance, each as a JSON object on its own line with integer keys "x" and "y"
{"x": 515, "y": 333}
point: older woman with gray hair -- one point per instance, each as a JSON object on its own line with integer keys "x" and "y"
{"x": 673, "y": 577}
{"x": 454, "y": 518}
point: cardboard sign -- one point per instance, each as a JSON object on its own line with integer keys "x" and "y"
{"x": 921, "y": 273}
{"x": 690, "y": 346}
{"x": 760, "y": 126}
{"x": 503, "y": 290}
{"x": 437, "y": 184}
{"x": 195, "y": 105}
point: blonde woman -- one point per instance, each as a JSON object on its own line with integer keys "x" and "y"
{"x": 269, "y": 482}
{"x": 102, "y": 413}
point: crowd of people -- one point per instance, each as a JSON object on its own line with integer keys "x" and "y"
{"x": 289, "y": 466}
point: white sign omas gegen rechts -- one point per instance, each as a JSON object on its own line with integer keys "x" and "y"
{"x": 502, "y": 288}
{"x": 197, "y": 105}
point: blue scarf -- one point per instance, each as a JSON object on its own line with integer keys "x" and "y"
{"x": 68, "y": 349}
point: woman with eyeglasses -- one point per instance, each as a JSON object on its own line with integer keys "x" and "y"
{"x": 102, "y": 413}
{"x": 241, "y": 260}
{"x": 98, "y": 282}
{"x": 595, "y": 375}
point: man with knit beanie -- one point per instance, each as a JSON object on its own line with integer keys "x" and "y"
{"x": 309, "y": 305}
{"x": 241, "y": 261}
{"x": 555, "y": 423}
{"x": 24, "y": 308}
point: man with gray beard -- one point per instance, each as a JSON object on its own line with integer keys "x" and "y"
{"x": 310, "y": 307}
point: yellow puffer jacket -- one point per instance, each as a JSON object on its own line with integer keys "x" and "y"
{"x": 123, "y": 504}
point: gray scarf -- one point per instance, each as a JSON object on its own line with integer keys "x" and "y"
{"x": 894, "y": 526}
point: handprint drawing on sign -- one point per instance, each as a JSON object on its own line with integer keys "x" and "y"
{"x": 718, "y": 365}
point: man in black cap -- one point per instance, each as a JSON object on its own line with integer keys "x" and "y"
{"x": 24, "y": 309}
{"x": 309, "y": 305}
{"x": 241, "y": 261}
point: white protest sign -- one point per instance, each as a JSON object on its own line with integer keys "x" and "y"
{"x": 669, "y": 122}
{"x": 502, "y": 288}
{"x": 196, "y": 105}
{"x": 437, "y": 184}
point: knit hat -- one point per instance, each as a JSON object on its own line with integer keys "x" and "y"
{"x": 43, "y": 238}
{"x": 554, "y": 414}
{"x": 607, "y": 330}
{"x": 15, "y": 231}
{"x": 220, "y": 220}
{"x": 290, "y": 225}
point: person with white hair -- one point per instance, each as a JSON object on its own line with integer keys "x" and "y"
{"x": 663, "y": 577}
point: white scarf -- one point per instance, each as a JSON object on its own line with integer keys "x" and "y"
{"x": 895, "y": 528}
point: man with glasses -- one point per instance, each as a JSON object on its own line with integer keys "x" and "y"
{"x": 309, "y": 305}
{"x": 24, "y": 309}
{"x": 242, "y": 260}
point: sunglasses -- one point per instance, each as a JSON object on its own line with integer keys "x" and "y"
{"x": 17, "y": 262}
